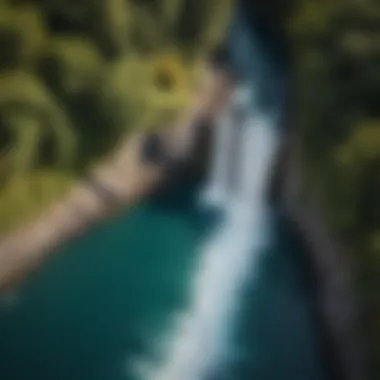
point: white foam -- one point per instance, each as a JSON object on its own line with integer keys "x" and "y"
{"x": 201, "y": 340}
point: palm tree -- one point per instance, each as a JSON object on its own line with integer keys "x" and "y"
{"x": 30, "y": 113}
{"x": 22, "y": 35}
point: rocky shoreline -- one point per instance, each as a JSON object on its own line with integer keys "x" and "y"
{"x": 337, "y": 304}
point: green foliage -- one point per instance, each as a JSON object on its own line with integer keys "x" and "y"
{"x": 22, "y": 35}
{"x": 29, "y": 112}
{"x": 76, "y": 75}
{"x": 76, "y": 64}
{"x": 337, "y": 51}
{"x": 23, "y": 197}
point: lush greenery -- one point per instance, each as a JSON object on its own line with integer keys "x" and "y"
{"x": 337, "y": 54}
{"x": 75, "y": 75}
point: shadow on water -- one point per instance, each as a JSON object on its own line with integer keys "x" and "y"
{"x": 279, "y": 326}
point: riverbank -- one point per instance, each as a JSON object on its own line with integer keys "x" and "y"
{"x": 131, "y": 180}
{"x": 24, "y": 249}
{"x": 336, "y": 300}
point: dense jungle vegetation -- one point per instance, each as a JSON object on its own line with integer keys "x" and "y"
{"x": 336, "y": 47}
{"x": 75, "y": 75}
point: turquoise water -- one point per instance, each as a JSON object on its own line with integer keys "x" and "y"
{"x": 102, "y": 304}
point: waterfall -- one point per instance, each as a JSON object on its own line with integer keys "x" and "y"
{"x": 245, "y": 145}
{"x": 223, "y": 177}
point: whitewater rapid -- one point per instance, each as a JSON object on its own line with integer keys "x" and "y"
{"x": 201, "y": 340}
